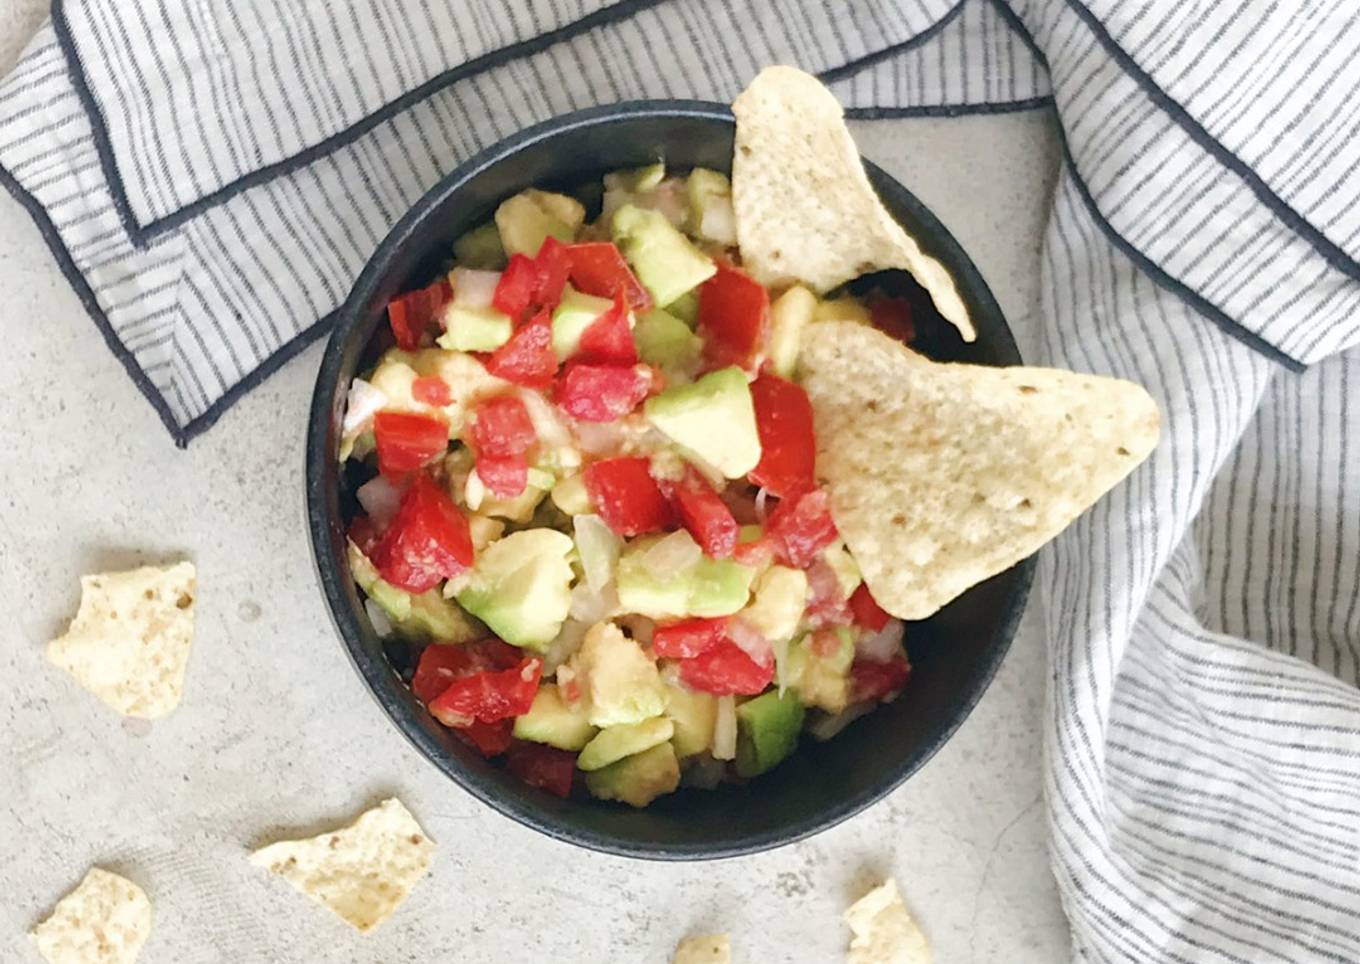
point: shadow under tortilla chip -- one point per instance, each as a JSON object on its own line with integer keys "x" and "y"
{"x": 943, "y": 475}
{"x": 804, "y": 207}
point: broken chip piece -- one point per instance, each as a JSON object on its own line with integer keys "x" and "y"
{"x": 105, "y": 920}
{"x": 708, "y": 949}
{"x": 883, "y": 930}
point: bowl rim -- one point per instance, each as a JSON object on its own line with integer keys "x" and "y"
{"x": 383, "y": 684}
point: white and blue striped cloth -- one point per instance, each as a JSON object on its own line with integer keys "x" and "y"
{"x": 212, "y": 175}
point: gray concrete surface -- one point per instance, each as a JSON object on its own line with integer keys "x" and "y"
{"x": 277, "y": 734}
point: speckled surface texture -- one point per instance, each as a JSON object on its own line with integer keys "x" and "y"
{"x": 277, "y": 736}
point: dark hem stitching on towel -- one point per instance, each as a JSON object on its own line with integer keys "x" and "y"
{"x": 949, "y": 110}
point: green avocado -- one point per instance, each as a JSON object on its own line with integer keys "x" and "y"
{"x": 418, "y": 618}
{"x": 789, "y": 315}
{"x": 636, "y": 179}
{"x": 710, "y": 207}
{"x": 686, "y": 308}
{"x": 573, "y": 315}
{"x": 767, "y": 731}
{"x": 822, "y": 681}
{"x": 637, "y": 780}
{"x": 524, "y": 223}
{"x": 777, "y": 606}
{"x": 666, "y": 341}
{"x": 474, "y": 329}
{"x": 620, "y": 680}
{"x": 693, "y": 715}
{"x": 563, "y": 207}
{"x": 838, "y": 557}
{"x": 713, "y": 418}
{"x": 521, "y": 587}
{"x": 613, "y": 743}
{"x": 710, "y": 587}
{"x": 554, "y": 721}
{"x": 667, "y": 263}
{"x": 480, "y": 248}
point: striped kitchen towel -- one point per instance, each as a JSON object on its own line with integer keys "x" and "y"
{"x": 211, "y": 177}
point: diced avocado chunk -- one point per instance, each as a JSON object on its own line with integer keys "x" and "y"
{"x": 710, "y": 206}
{"x": 844, "y": 308}
{"x": 789, "y": 315}
{"x": 415, "y": 617}
{"x": 767, "y": 731}
{"x": 484, "y": 530}
{"x": 621, "y": 683}
{"x": 666, "y": 262}
{"x": 710, "y": 587}
{"x": 474, "y": 329}
{"x": 613, "y": 743}
{"x": 598, "y": 549}
{"x": 564, "y": 207}
{"x": 780, "y": 596}
{"x": 686, "y": 308}
{"x": 838, "y": 557}
{"x": 480, "y": 248}
{"x": 823, "y": 681}
{"x": 570, "y": 495}
{"x": 519, "y": 509}
{"x": 573, "y": 315}
{"x": 636, "y": 178}
{"x": 714, "y": 418}
{"x": 554, "y": 721}
{"x": 693, "y": 715}
{"x": 523, "y": 224}
{"x": 637, "y": 780}
{"x": 521, "y": 587}
{"x": 664, "y": 340}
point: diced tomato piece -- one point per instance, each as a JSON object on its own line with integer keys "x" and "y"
{"x": 598, "y": 268}
{"x": 410, "y": 314}
{"x": 442, "y": 663}
{"x": 705, "y": 515}
{"x": 757, "y": 553}
{"x": 431, "y": 390}
{"x": 871, "y": 680}
{"x": 788, "y": 444}
{"x": 552, "y": 267}
{"x": 892, "y": 316}
{"x": 609, "y": 339}
{"x": 527, "y": 358}
{"x": 501, "y": 426}
{"x": 488, "y": 696}
{"x": 688, "y": 639}
{"x": 867, "y": 613}
{"x": 363, "y": 533}
{"x": 407, "y": 442}
{"x": 826, "y": 601}
{"x": 504, "y": 476}
{"x": 627, "y": 497}
{"x": 427, "y": 541}
{"x": 734, "y": 311}
{"x": 545, "y": 767}
{"x": 800, "y": 527}
{"x": 602, "y": 393}
{"x": 725, "y": 670}
{"x": 515, "y": 291}
{"x": 489, "y": 739}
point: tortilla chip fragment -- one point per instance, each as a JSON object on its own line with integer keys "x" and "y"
{"x": 105, "y": 920}
{"x": 804, "y": 207}
{"x": 362, "y": 872}
{"x": 129, "y": 643}
{"x": 884, "y": 932}
{"x": 709, "y": 949}
{"x": 942, "y": 475}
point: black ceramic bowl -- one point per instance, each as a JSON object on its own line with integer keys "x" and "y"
{"x": 954, "y": 654}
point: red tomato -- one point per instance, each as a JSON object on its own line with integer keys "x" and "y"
{"x": 725, "y": 670}
{"x": 504, "y": 476}
{"x": 602, "y": 393}
{"x": 826, "y": 602}
{"x": 688, "y": 639}
{"x": 442, "y": 663}
{"x": 597, "y": 268}
{"x": 892, "y": 316}
{"x": 410, "y": 314}
{"x": 527, "y": 358}
{"x": 800, "y": 527}
{"x": 545, "y": 767}
{"x": 552, "y": 267}
{"x": 878, "y": 681}
{"x": 427, "y": 541}
{"x": 609, "y": 339}
{"x": 705, "y": 515}
{"x": 626, "y": 496}
{"x": 488, "y": 696}
{"x": 406, "y": 442}
{"x": 867, "y": 612}
{"x": 757, "y": 554}
{"x": 489, "y": 739}
{"x": 734, "y": 311}
{"x": 431, "y": 390}
{"x": 788, "y": 445}
{"x": 501, "y": 426}
{"x": 515, "y": 290}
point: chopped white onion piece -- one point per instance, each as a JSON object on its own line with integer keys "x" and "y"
{"x": 548, "y": 426}
{"x": 750, "y": 641}
{"x": 781, "y": 664}
{"x": 474, "y": 492}
{"x": 382, "y": 625}
{"x": 882, "y": 645}
{"x": 590, "y": 606}
{"x": 361, "y": 404}
{"x": 761, "y": 497}
{"x": 725, "y": 730}
{"x": 600, "y": 438}
{"x": 472, "y": 287}
{"x": 672, "y": 555}
{"x": 598, "y": 548}
{"x": 828, "y": 726}
{"x": 380, "y": 499}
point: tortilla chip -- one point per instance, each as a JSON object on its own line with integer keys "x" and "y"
{"x": 105, "y": 920}
{"x": 884, "y": 932}
{"x": 944, "y": 475}
{"x": 362, "y": 872}
{"x": 805, "y": 209}
{"x": 129, "y": 643}
{"x": 710, "y": 949}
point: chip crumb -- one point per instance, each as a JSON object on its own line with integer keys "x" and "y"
{"x": 362, "y": 872}
{"x": 883, "y": 931}
{"x": 708, "y": 949}
{"x": 105, "y": 920}
{"x": 129, "y": 643}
